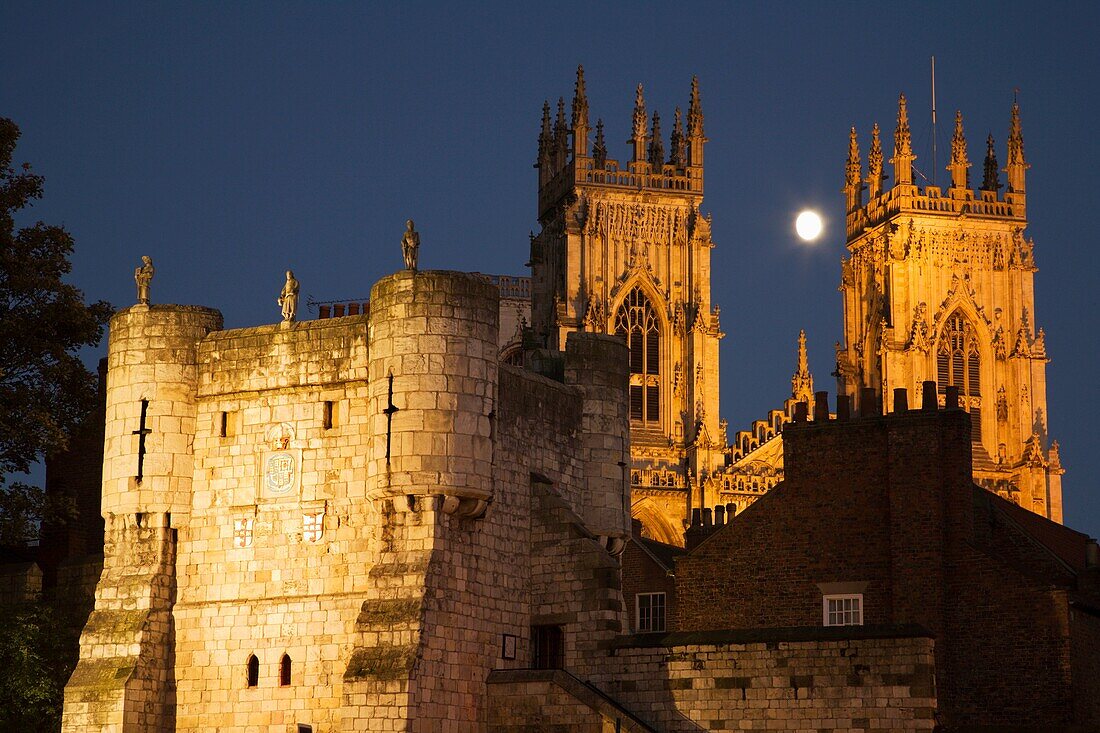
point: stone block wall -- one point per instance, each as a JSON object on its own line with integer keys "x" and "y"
{"x": 776, "y": 680}
{"x": 553, "y": 700}
{"x": 19, "y": 582}
{"x": 598, "y": 366}
{"x": 125, "y": 678}
{"x": 278, "y": 521}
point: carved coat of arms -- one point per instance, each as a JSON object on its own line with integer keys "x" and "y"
{"x": 279, "y": 473}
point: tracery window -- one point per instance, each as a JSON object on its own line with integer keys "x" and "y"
{"x": 637, "y": 321}
{"x": 512, "y": 355}
{"x": 958, "y": 363}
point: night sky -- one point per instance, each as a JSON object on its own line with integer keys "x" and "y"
{"x": 233, "y": 141}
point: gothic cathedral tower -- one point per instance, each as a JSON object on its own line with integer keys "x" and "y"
{"x": 626, "y": 250}
{"x": 939, "y": 286}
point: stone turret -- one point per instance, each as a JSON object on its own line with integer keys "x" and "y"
{"x": 122, "y": 680}
{"x": 696, "y": 137}
{"x": 875, "y": 175}
{"x": 580, "y": 116}
{"x": 1016, "y": 166}
{"x": 151, "y": 409}
{"x": 903, "y": 147}
{"x": 990, "y": 178}
{"x": 639, "y": 138}
{"x": 853, "y": 171}
{"x": 433, "y": 381}
{"x": 960, "y": 164}
{"x": 802, "y": 382}
{"x": 597, "y": 364}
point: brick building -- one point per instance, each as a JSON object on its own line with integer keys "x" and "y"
{"x": 878, "y": 523}
{"x": 649, "y": 582}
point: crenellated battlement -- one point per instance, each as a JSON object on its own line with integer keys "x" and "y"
{"x": 565, "y": 160}
{"x": 931, "y": 200}
{"x": 957, "y": 199}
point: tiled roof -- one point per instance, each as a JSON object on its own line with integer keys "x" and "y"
{"x": 1066, "y": 544}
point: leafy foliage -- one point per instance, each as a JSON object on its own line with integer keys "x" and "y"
{"x": 45, "y": 390}
{"x": 38, "y": 650}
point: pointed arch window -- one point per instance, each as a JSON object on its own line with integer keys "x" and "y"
{"x": 637, "y": 322}
{"x": 284, "y": 671}
{"x": 958, "y": 363}
{"x": 253, "y": 671}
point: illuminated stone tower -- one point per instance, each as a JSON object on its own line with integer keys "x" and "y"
{"x": 939, "y": 286}
{"x": 625, "y": 250}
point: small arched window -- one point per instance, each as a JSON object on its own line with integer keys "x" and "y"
{"x": 637, "y": 321}
{"x": 284, "y": 671}
{"x": 253, "y": 671}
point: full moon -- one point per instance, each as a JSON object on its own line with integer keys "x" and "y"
{"x": 808, "y": 225}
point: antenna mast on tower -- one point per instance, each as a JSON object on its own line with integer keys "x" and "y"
{"x": 933, "y": 120}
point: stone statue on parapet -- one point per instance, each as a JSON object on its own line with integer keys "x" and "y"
{"x": 410, "y": 246}
{"x": 143, "y": 276}
{"x": 288, "y": 298}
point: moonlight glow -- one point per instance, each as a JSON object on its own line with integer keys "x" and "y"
{"x": 808, "y": 225}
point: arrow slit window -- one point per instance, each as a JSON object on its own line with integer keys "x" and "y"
{"x": 637, "y": 321}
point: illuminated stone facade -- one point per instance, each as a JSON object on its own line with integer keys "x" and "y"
{"x": 940, "y": 286}
{"x": 625, "y": 249}
{"x": 408, "y": 514}
{"x": 345, "y": 523}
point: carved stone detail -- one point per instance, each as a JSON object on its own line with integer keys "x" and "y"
{"x": 918, "y": 333}
{"x": 595, "y": 315}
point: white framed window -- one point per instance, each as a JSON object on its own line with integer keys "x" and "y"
{"x": 650, "y": 611}
{"x": 842, "y": 610}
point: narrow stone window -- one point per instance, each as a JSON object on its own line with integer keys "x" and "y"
{"x": 223, "y": 424}
{"x": 547, "y": 644}
{"x": 303, "y": 728}
{"x": 142, "y": 431}
{"x": 253, "y": 671}
{"x": 327, "y": 421}
{"x": 284, "y": 671}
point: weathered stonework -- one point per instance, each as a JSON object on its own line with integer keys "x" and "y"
{"x": 353, "y": 493}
